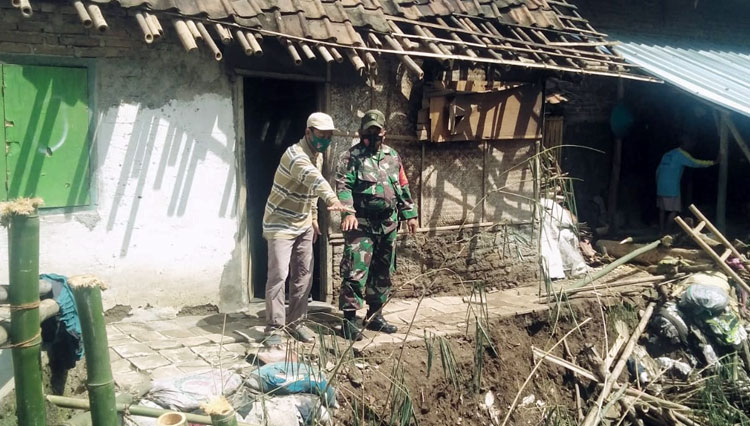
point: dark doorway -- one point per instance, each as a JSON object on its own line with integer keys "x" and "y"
{"x": 275, "y": 115}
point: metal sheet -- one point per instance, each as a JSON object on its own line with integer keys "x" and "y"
{"x": 720, "y": 74}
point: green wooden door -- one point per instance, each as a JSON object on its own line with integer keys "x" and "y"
{"x": 45, "y": 113}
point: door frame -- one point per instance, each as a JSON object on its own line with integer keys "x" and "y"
{"x": 323, "y": 89}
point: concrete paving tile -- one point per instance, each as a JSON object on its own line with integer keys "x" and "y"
{"x": 194, "y": 341}
{"x": 150, "y": 362}
{"x": 113, "y": 356}
{"x": 121, "y": 366}
{"x": 113, "y": 331}
{"x": 120, "y": 340}
{"x": 148, "y": 336}
{"x": 179, "y": 355}
{"x": 179, "y": 333}
{"x": 130, "y": 380}
{"x": 219, "y": 338}
{"x": 131, "y": 350}
{"x": 132, "y": 327}
{"x": 200, "y": 331}
{"x": 166, "y": 372}
{"x": 165, "y": 344}
{"x": 194, "y": 369}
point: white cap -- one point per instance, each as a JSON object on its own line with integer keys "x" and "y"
{"x": 320, "y": 121}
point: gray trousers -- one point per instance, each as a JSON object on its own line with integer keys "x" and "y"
{"x": 292, "y": 258}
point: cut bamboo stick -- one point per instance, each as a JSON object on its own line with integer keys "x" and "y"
{"x": 47, "y": 309}
{"x": 87, "y": 291}
{"x": 22, "y": 220}
{"x": 293, "y": 53}
{"x": 97, "y": 18}
{"x": 325, "y": 54}
{"x": 83, "y": 14}
{"x": 375, "y": 40}
{"x": 372, "y": 63}
{"x": 609, "y": 268}
{"x": 209, "y": 41}
{"x": 134, "y": 410}
{"x": 354, "y": 58}
{"x": 409, "y": 62}
{"x": 25, "y": 8}
{"x": 336, "y": 55}
{"x": 694, "y": 210}
{"x": 154, "y": 25}
{"x": 244, "y": 44}
{"x": 254, "y": 43}
{"x": 224, "y": 34}
{"x": 193, "y": 30}
{"x": 183, "y": 33}
{"x": 599, "y": 410}
{"x": 148, "y": 36}
{"x": 307, "y": 51}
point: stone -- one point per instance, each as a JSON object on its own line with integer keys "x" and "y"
{"x": 131, "y": 327}
{"x": 166, "y": 372}
{"x": 121, "y": 366}
{"x": 132, "y": 350}
{"x": 189, "y": 342}
{"x": 150, "y": 362}
{"x": 130, "y": 380}
{"x": 219, "y": 338}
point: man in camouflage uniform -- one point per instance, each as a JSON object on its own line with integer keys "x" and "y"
{"x": 371, "y": 179}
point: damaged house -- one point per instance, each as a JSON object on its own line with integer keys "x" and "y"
{"x": 152, "y": 129}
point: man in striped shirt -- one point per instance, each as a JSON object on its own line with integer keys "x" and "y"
{"x": 290, "y": 225}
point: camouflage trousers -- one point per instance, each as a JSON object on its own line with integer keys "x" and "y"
{"x": 366, "y": 268}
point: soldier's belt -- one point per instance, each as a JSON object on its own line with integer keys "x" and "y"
{"x": 377, "y": 216}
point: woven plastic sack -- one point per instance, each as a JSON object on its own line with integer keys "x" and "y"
{"x": 705, "y": 300}
{"x": 285, "y": 378}
{"x": 188, "y": 392}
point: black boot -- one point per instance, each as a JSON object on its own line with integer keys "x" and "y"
{"x": 349, "y": 328}
{"x": 378, "y": 323}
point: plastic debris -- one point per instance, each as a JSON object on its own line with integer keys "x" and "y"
{"x": 726, "y": 329}
{"x": 704, "y": 300}
{"x": 188, "y": 392}
{"x": 301, "y": 409}
{"x": 286, "y": 378}
{"x": 669, "y": 324}
{"x": 675, "y": 368}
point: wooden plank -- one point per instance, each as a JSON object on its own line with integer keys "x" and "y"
{"x": 694, "y": 210}
{"x": 721, "y": 191}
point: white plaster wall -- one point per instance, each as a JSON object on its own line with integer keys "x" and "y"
{"x": 161, "y": 228}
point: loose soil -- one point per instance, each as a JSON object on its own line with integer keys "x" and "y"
{"x": 437, "y": 402}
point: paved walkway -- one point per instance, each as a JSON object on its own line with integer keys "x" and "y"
{"x": 161, "y": 348}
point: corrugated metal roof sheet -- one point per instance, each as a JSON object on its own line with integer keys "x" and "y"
{"x": 719, "y": 74}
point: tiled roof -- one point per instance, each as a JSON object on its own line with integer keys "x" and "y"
{"x": 548, "y": 34}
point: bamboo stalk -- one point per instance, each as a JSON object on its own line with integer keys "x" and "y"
{"x": 154, "y": 25}
{"x": 87, "y": 291}
{"x": 97, "y": 18}
{"x": 143, "y": 23}
{"x": 186, "y": 38}
{"x": 25, "y": 333}
{"x": 193, "y": 29}
{"x": 325, "y": 54}
{"x": 134, "y": 410}
{"x": 694, "y": 210}
{"x": 25, "y": 8}
{"x": 409, "y": 62}
{"x": 307, "y": 51}
{"x": 336, "y": 55}
{"x": 354, "y": 58}
{"x": 83, "y": 15}
{"x": 254, "y": 43}
{"x": 222, "y": 414}
{"x": 598, "y": 411}
{"x": 209, "y": 41}
{"x": 293, "y": 53}
{"x": 224, "y": 34}
{"x": 48, "y": 308}
{"x": 609, "y": 268}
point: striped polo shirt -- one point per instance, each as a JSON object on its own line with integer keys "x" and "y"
{"x": 293, "y": 202}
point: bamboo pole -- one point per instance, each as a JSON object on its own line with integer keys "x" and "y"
{"x": 148, "y": 35}
{"x": 721, "y": 191}
{"x": 87, "y": 291}
{"x": 193, "y": 29}
{"x": 409, "y": 62}
{"x": 22, "y": 221}
{"x": 694, "y": 210}
{"x": 609, "y": 268}
{"x": 134, "y": 410}
{"x": 209, "y": 41}
{"x": 293, "y": 53}
{"x": 44, "y": 288}
{"x": 186, "y": 38}
{"x": 254, "y": 43}
{"x": 25, "y": 8}
{"x": 47, "y": 309}
{"x": 154, "y": 25}
{"x": 325, "y": 54}
{"x": 83, "y": 14}
{"x": 307, "y": 51}
{"x": 222, "y": 414}
{"x": 97, "y": 18}
{"x": 354, "y": 58}
{"x": 738, "y": 137}
{"x": 598, "y": 411}
{"x": 336, "y": 55}
{"x": 224, "y": 34}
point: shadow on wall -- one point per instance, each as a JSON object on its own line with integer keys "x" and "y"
{"x": 179, "y": 143}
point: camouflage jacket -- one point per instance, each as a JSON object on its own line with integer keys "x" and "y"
{"x": 375, "y": 184}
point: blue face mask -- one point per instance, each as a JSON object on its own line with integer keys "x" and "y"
{"x": 319, "y": 144}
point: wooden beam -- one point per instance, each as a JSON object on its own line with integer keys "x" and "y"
{"x": 738, "y": 137}
{"x": 721, "y": 191}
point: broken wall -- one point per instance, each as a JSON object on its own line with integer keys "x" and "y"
{"x": 161, "y": 226}
{"x": 462, "y": 189}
